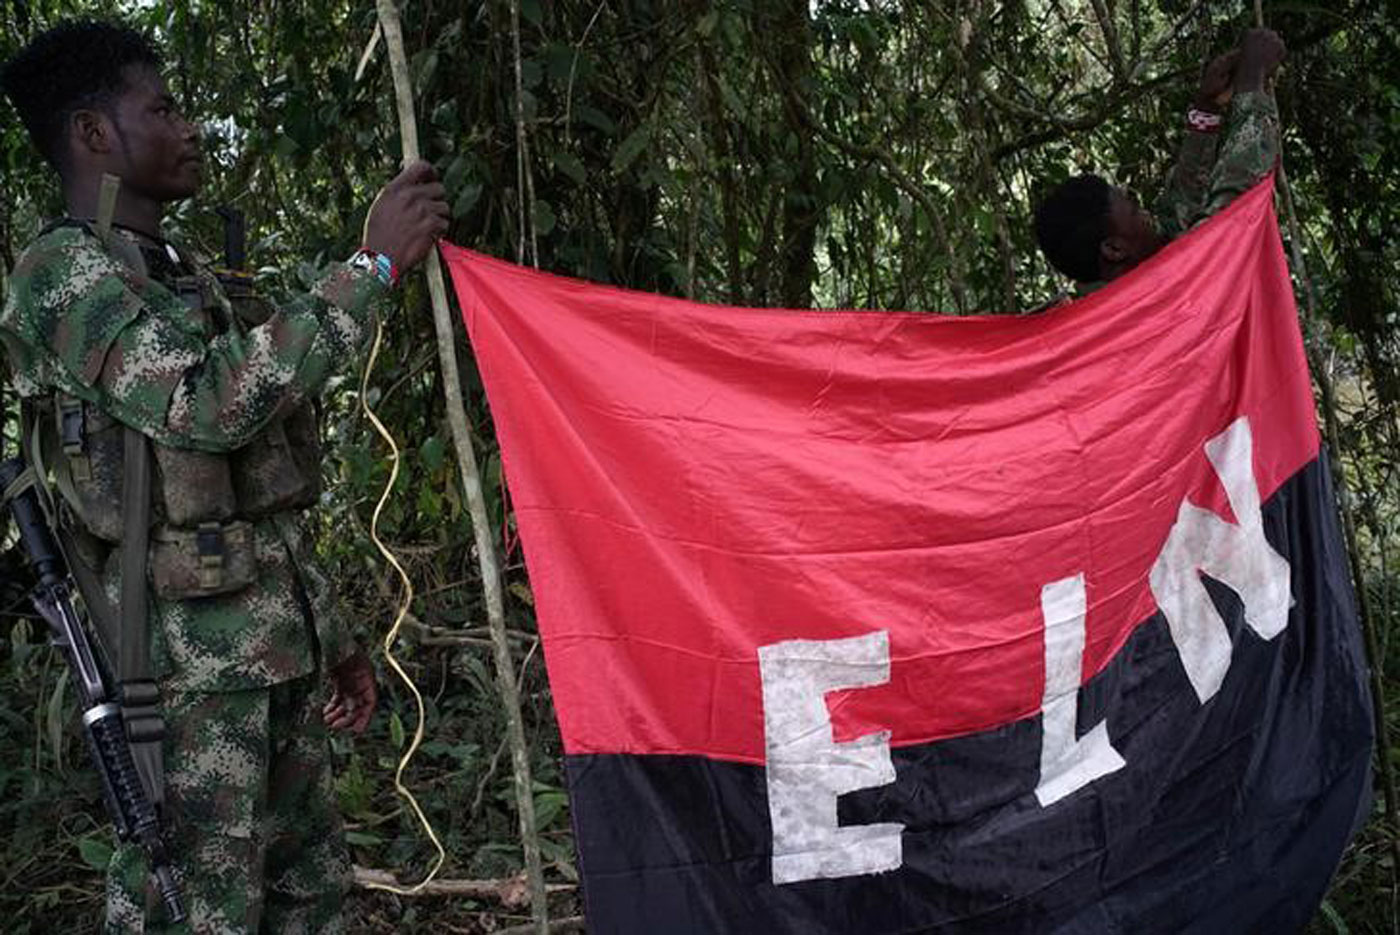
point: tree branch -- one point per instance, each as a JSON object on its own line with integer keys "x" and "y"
{"x": 1114, "y": 99}
{"x": 512, "y": 892}
{"x": 1110, "y": 38}
{"x": 907, "y": 184}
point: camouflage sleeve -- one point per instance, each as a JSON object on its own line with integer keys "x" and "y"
{"x": 333, "y": 632}
{"x": 1249, "y": 150}
{"x": 1188, "y": 183}
{"x": 243, "y": 379}
{"x": 133, "y": 351}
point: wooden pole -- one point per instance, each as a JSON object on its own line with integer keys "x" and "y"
{"x": 471, "y": 484}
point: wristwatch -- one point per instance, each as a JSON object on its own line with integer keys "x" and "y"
{"x": 379, "y": 264}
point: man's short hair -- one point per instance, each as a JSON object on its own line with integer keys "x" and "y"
{"x": 74, "y": 65}
{"x": 1071, "y": 223}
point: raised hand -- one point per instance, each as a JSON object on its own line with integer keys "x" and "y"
{"x": 408, "y": 216}
{"x": 1217, "y": 83}
{"x": 1261, "y": 52}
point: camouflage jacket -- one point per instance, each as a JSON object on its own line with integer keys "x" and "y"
{"x": 1211, "y": 169}
{"x": 77, "y": 320}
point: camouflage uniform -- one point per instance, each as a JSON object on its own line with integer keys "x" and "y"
{"x": 1213, "y": 168}
{"x": 255, "y": 837}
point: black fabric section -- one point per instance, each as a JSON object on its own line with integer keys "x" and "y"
{"x": 1229, "y": 817}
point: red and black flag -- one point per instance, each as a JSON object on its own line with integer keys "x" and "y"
{"x": 878, "y": 623}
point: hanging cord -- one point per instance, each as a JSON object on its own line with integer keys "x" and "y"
{"x": 476, "y": 500}
{"x": 1332, "y": 431}
{"x": 405, "y": 603}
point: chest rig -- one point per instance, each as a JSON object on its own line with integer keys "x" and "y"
{"x": 201, "y": 505}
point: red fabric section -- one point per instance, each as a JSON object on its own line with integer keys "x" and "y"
{"x": 695, "y": 481}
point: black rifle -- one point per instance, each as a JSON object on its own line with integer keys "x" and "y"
{"x": 235, "y": 236}
{"x": 127, "y": 802}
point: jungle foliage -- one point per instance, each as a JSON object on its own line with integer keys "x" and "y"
{"x": 866, "y": 153}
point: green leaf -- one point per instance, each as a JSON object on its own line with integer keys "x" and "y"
{"x": 481, "y": 680}
{"x": 570, "y": 165}
{"x": 548, "y": 806}
{"x": 300, "y": 122}
{"x": 354, "y": 791}
{"x": 561, "y": 856}
{"x": 429, "y": 503}
{"x": 285, "y": 146}
{"x": 629, "y": 149}
{"x": 543, "y": 217}
{"x": 594, "y": 117}
{"x": 523, "y": 593}
{"x": 455, "y": 613}
{"x": 396, "y": 734}
{"x": 445, "y": 116}
{"x": 456, "y": 173}
{"x": 1339, "y": 925}
{"x": 563, "y": 60}
{"x": 424, "y": 65}
{"x": 96, "y": 851}
{"x": 55, "y": 715}
{"x": 363, "y": 839}
{"x": 530, "y": 104}
{"x": 432, "y": 452}
{"x": 466, "y": 200}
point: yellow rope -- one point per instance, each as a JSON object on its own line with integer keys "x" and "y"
{"x": 389, "y": 638}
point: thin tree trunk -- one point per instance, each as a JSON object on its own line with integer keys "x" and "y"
{"x": 982, "y": 143}
{"x": 788, "y": 25}
{"x": 718, "y": 133}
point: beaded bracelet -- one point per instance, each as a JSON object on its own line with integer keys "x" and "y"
{"x": 1203, "y": 121}
{"x": 379, "y": 264}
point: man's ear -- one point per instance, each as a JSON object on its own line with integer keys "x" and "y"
{"x": 91, "y": 130}
{"x": 1112, "y": 250}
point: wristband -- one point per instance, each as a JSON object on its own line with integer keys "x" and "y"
{"x": 379, "y": 264}
{"x": 1203, "y": 121}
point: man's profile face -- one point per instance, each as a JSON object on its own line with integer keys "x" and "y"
{"x": 159, "y": 147}
{"x": 1131, "y": 228}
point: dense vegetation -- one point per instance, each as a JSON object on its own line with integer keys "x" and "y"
{"x": 760, "y": 152}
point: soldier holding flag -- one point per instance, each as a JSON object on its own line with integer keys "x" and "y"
{"x": 129, "y": 354}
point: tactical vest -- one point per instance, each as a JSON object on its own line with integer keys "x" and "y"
{"x": 202, "y": 504}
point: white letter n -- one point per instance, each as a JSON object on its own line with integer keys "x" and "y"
{"x": 1235, "y": 554}
{"x": 808, "y": 770}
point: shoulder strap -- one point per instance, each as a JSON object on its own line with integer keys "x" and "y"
{"x": 134, "y": 659}
{"x": 107, "y": 204}
{"x": 120, "y": 247}
{"x": 140, "y": 697}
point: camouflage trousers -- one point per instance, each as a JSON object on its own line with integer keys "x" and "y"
{"x": 252, "y": 827}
